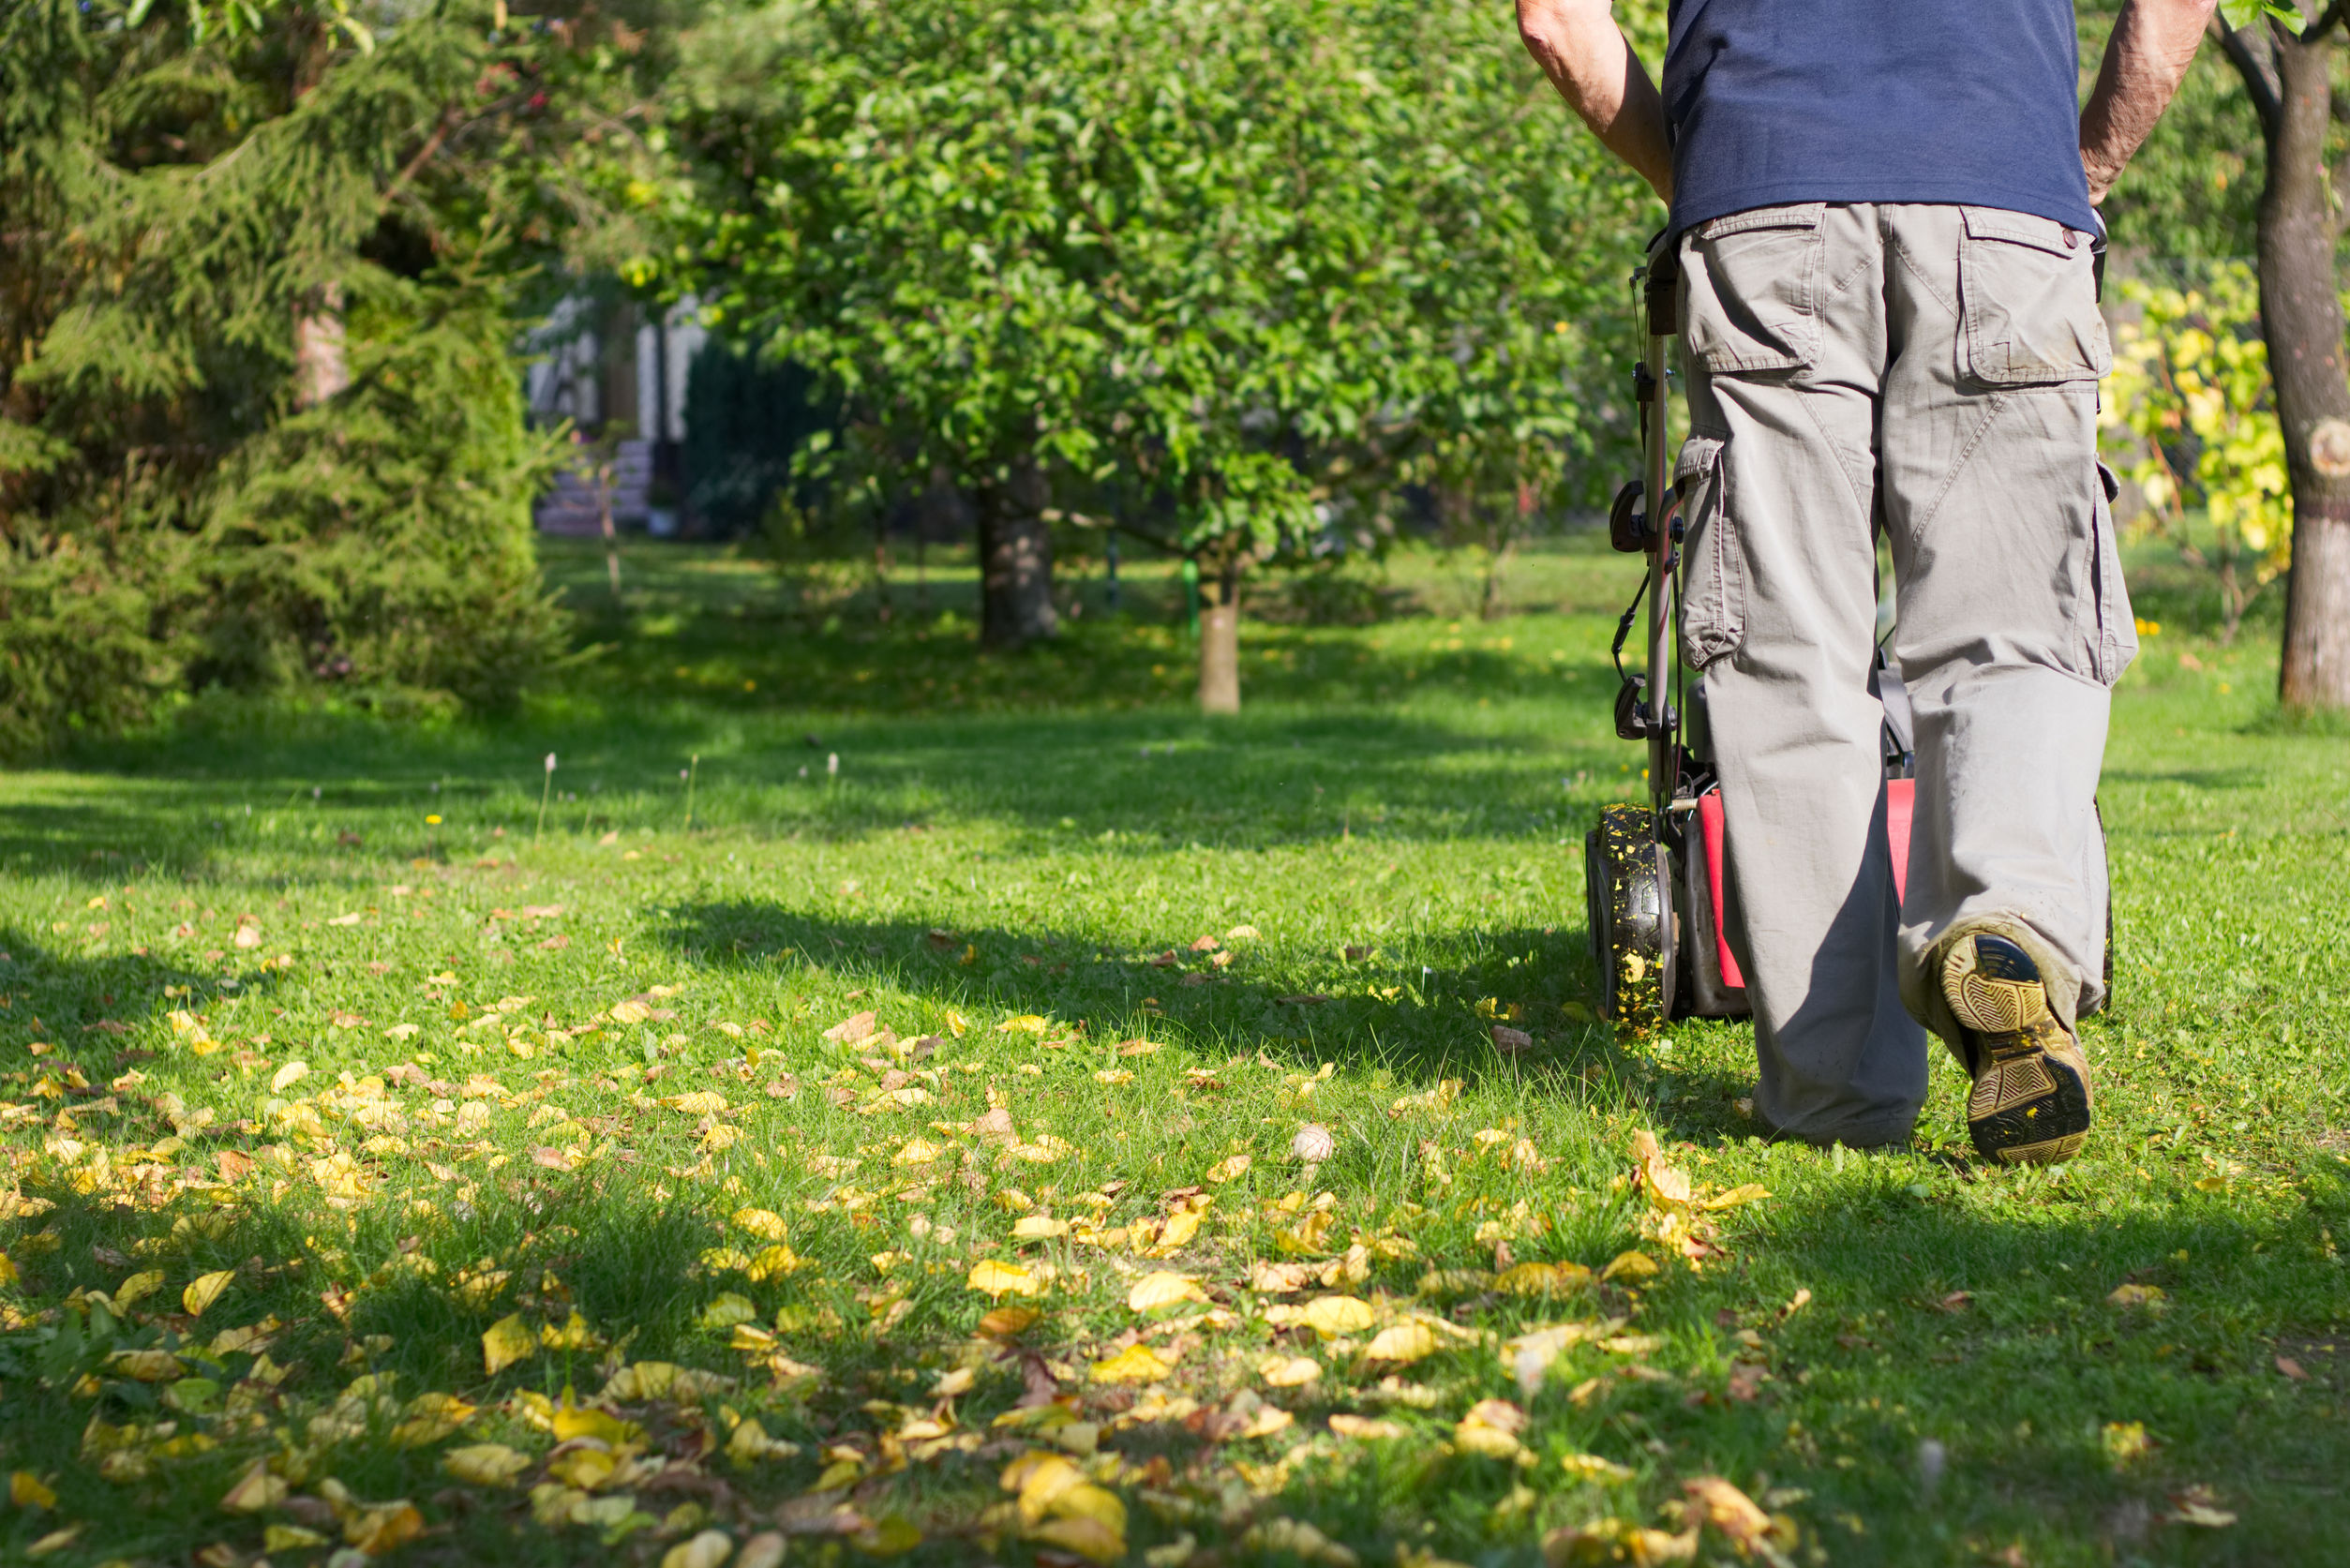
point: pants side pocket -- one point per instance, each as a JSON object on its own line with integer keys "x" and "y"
{"x": 1713, "y": 606}
{"x": 2107, "y": 624}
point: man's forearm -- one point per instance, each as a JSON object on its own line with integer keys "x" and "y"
{"x": 1586, "y": 57}
{"x": 2152, "y": 44}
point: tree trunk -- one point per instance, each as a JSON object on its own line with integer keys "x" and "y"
{"x": 321, "y": 366}
{"x": 2301, "y": 318}
{"x": 1015, "y": 561}
{"x": 1220, "y": 640}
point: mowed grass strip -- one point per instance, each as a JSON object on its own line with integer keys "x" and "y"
{"x": 392, "y": 1175}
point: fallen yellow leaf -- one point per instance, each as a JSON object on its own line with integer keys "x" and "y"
{"x": 27, "y": 1490}
{"x": 486, "y": 1464}
{"x": 1630, "y": 1265}
{"x": 1533, "y": 1280}
{"x": 1039, "y": 1227}
{"x": 507, "y": 1341}
{"x": 2126, "y": 1441}
{"x": 1590, "y": 1467}
{"x": 1289, "y": 1371}
{"x": 1134, "y": 1364}
{"x": 2137, "y": 1296}
{"x": 1363, "y": 1427}
{"x": 379, "y": 1531}
{"x": 428, "y": 1418}
{"x": 1176, "y": 1234}
{"x": 204, "y": 1290}
{"x": 1729, "y": 1511}
{"x": 139, "y": 1286}
{"x": 1490, "y": 1428}
{"x": 144, "y": 1365}
{"x": 1227, "y": 1169}
{"x": 706, "y": 1550}
{"x": 2199, "y": 1506}
{"x": 1000, "y": 1279}
{"x": 1088, "y": 1538}
{"x": 1298, "y": 1539}
{"x": 1026, "y": 1023}
{"x": 1331, "y": 1316}
{"x": 1402, "y": 1345}
{"x": 256, "y": 1491}
{"x": 1155, "y": 1290}
{"x": 766, "y": 1224}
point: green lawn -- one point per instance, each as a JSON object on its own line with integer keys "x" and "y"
{"x": 329, "y": 1075}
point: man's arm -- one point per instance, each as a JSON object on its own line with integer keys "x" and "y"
{"x": 1595, "y": 69}
{"x": 2152, "y": 44}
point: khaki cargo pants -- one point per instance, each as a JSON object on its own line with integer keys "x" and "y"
{"x": 1929, "y": 371}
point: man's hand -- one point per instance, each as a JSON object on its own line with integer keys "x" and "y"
{"x": 1595, "y": 69}
{"x": 2152, "y": 44}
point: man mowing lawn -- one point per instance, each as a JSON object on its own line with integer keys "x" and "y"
{"x": 1889, "y": 259}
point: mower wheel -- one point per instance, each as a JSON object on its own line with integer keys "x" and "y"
{"x": 1628, "y": 897}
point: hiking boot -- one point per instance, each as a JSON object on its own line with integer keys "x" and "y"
{"x": 2031, "y": 1102}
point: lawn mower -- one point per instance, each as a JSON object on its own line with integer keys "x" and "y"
{"x": 1655, "y": 883}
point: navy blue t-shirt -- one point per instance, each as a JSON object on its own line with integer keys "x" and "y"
{"x": 1973, "y": 101}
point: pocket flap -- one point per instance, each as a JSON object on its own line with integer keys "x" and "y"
{"x": 2041, "y": 233}
{"x": 1698, "y": 453}
{"x": 1802, "y": 215}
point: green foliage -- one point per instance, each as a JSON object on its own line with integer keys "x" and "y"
{"x": 1255, "y": 266}
{"x": 2191, "y": 384}
{"x": 218, "y": 217}
{"x": 384, "y": 540}
{"x": 2244, "y": 13}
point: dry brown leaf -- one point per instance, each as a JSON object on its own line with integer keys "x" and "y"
{"x": 1728, "y": 1509}
{"x": 848, "y": 1031}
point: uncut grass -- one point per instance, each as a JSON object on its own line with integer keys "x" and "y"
{"x": 1415, "y": 790}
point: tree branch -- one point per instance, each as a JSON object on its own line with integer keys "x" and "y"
{"x": 2328, "y": 19}
{"x": 424, "y": 156}
{"x": 2268, "y": 102}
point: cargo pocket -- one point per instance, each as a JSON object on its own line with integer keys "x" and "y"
{"x": 2108, "y": 626}
{"x": 1714, "y": 602}
{"x": 2027, "y": 292}
{"x": 1754, "y": 288}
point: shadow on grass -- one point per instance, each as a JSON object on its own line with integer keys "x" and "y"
{"x": 1412, "y": 1007}
{"x": 78, "y": 1004}
{"x": 1126, "y": 782}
